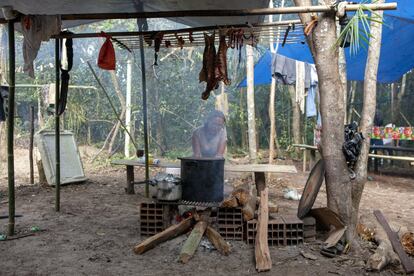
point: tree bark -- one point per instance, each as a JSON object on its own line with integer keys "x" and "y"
{"x": 251, "y": 118}
{"x": 123, "y": 110}
{"x": 367, "y": 119}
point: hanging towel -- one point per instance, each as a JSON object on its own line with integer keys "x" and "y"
{"x": 300, "y": 85}
{"x": 106, "y": 58}
{"x": 35, "y": 29}
{"x": 65, "y": 67}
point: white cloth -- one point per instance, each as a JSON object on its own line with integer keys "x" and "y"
{"x": 300, "y": 85}
{"x": 40, "y": 28}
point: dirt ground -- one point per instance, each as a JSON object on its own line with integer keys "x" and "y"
{"x": 98, "y": 226}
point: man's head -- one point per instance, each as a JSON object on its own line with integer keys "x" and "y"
{"x": 215, "y": 121}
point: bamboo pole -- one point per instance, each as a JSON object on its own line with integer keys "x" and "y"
{"x": 221, "y": 13}
{"x": 57, "y": 126}
{"x": 10, "y": 127}
{"x": 31, "y": 144}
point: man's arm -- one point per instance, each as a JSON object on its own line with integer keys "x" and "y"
{"x": 196, "y": 145}
{"x": 222, "y": 144}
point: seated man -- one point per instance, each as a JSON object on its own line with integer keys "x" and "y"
{"x": 210, "y": 139}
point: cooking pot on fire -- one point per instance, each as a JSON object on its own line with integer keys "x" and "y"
{"x": 202, "y": 179}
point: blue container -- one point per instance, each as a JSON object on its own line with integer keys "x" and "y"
{"x": 202, "y": 179}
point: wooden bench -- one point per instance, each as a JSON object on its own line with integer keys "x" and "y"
{"x": 314, "y": 149}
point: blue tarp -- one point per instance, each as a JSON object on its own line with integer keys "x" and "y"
{"x": 397, "y": 50}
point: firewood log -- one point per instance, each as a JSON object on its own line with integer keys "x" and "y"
{"x": 169, "y": 233}
{"x": 217, "y": 240}
{"x": 191, "y": 244}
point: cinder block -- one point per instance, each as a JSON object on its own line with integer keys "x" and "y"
{"x": 154, "y": 218}
{"x": 230, "y": 223}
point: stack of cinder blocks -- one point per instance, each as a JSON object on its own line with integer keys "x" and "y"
{"x": 230, "y": 223}
{"x": 282, "y": 231}
{"x": 153, "y": 218}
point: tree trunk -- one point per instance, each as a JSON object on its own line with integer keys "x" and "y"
{"x": 242, "y": 122}
{"x": 392, "y": 94}
{"x": 332, "y": 106}
{"x": 128, "y": 122}
{"x": 352, "y": 92}
{"x": 295, "y": 115}
{"x": 367, "y": 119}
{"x": 251, "y": 118}
{"x": 402, "y": 91}
{"x": 123, "y": 109}
{"x": 272, "y": 117}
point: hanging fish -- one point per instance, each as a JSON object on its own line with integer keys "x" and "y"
{"x": 190, "y": 36}
{"x": 180, "y": 41}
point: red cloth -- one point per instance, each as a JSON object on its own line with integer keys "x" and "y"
{"x": 106, "y": 58}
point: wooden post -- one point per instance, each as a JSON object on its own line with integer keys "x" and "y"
{"x": 128, "y": 106}
{"x": 10, "y": 127}
{"x": 31, "y": 144}
{"x": 262, "y": 253}
{"x": 130, "y": 180}
{"x": 144, "y": 107}
{"x": 57, "y": 127}
{"x": 251, "y": 118}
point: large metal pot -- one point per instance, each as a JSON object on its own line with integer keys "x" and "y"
{"x": 202, "y": 179}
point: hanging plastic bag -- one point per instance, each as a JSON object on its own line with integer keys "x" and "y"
{"x": 106, "y": 58}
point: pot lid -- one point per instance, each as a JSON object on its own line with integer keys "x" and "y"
{"x": 311, "y": 190}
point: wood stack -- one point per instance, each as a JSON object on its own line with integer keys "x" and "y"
{"x": 248, "y": 201}
{"x": 201, "y": 227}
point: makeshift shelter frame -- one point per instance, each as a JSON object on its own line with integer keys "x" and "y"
{"x": 160, "y": 14}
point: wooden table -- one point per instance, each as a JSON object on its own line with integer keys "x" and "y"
{"x": 374, "y": 148}
{"x": 259, "y": 171}
{"x": 130, "y": 164}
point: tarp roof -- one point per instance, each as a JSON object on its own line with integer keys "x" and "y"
{"x": 397, "y": 50}
{"x": 53, "y": 7}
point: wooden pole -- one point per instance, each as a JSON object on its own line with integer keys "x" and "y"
{"x": 10, "y": 127}
{"x": 128, "y": 106}
{"x": 251, "y": 118}
{"x": 31, "y": 144}
{"x": 144, "y": 107}
{"x": 57, "y": 126}
{"x": 221, "y": 13}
